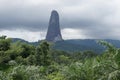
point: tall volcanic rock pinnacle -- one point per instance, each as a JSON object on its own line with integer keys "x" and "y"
{"x": 54, "y": 33}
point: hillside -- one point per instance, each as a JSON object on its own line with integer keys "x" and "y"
{"x": 75, "y": 45}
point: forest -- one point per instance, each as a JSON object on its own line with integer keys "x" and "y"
{"x": 23, "y": 61}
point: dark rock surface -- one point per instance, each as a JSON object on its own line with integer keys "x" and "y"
{"x": 54, "y": 33}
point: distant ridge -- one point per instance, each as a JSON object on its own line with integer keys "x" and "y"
{"x": 75, "y": 45}
{"x": 18, "y": 39}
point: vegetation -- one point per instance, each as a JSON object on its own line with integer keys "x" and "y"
{"x": 22, "y": 61}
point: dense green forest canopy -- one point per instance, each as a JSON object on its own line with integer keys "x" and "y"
{"x": 22, "y": 61}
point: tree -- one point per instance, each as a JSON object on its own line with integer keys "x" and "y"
{"x": 4, "y": 43}
{"x": 42, "y": 54}
{"x": 4, "y": 46}
{"x": 26, "y": 50}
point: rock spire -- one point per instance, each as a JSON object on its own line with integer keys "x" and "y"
{"x": 54, "y": 33}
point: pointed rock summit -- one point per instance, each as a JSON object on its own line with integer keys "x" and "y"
{"x": 54, "y": 33}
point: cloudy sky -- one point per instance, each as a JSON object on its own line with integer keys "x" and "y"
{"x": 79, "y": 19}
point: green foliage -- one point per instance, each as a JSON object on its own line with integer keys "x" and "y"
{"x": 61, "y": 57}
{"x": 22, "y": 72}
{"x": 26, "y": 50}
{"x": 117, "y": 57}
{"x": 4, "y": 44}
{"x": 22, "y": 61}
{"x": 42, "y": 54}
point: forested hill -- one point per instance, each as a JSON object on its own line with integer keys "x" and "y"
{"x": 75, "y": 45}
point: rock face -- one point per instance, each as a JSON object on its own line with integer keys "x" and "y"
{"x": 54, "y": 33}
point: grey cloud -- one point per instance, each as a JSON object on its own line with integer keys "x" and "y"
{"x": 98, "y": 18}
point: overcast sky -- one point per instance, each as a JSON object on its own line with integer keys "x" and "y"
{"x": 79, "y": 19}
